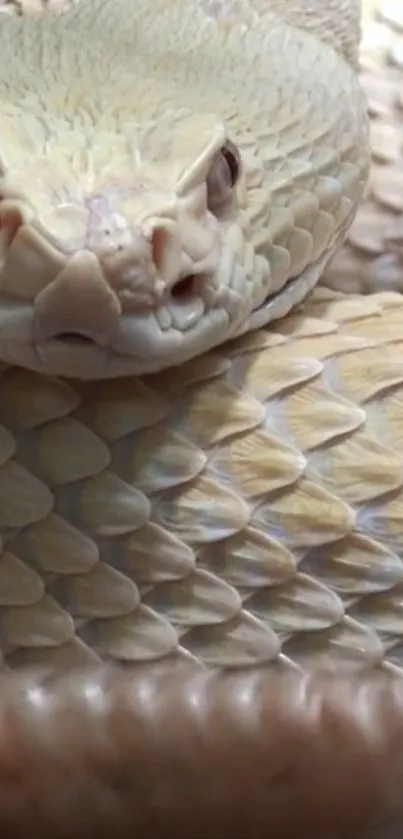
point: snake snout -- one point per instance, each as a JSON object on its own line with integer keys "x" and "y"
{"x": 78, "y": 307}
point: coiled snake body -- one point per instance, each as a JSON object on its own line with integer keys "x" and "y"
{"x": 174, "y": 175}
{"x": 184, "y": 179}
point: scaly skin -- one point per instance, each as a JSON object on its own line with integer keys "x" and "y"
{"x": 115, "y": 257}
{"x": 246, "y": 511}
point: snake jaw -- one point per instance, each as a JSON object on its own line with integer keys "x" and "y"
{"x": 78, "y": 326}
{"x": 173, "y": 292}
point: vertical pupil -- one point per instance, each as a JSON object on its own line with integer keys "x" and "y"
{"x": 232, "y": 164}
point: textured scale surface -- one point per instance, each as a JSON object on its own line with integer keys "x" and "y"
{"x": 250, "y": 511}
{"x": 373, "y": 255}
{"x": 247, "y": 509}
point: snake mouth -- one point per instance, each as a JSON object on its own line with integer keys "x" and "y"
{"x": 74, "y": 338}
{"x": 147, "y": 342}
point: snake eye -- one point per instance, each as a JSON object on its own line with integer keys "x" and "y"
{"x": 222, "y": 177}
{"x": 231, "y": 156}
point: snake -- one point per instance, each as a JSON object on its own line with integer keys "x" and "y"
{"x": 177, "y": 183}
{"x": 200, "y": 444}
{"x": 198, "y": 439}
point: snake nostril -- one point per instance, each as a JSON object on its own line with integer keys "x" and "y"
{"x": 185, "y": 288}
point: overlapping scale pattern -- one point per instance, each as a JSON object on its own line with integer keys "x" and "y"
{"x": 245, "y": 509}
{"x": 373, "y": 256}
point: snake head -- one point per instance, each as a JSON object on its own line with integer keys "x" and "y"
{"x": 168, "y": 187}
{"x": 126, "y": 265}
